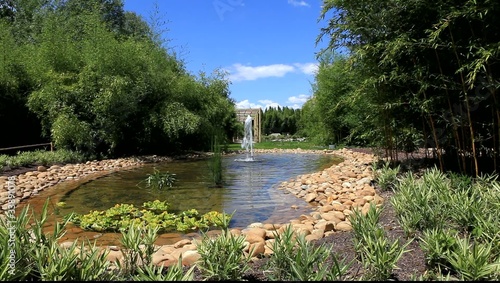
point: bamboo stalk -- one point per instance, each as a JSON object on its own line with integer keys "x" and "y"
{"x": 454, "y": 125}
{"x": 438, "y": 150}
{"x": 467, "y": 105}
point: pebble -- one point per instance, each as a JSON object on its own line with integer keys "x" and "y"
{"x": 336, "y": 191}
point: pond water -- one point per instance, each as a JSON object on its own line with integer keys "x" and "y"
{"x": 249, "y": 188}
{"x": 249, "y": 191}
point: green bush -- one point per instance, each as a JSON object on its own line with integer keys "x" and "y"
{"x": 39, "y": 256}
{"x": 377, "y": 254}
{"x": 41, "y": 157}
{"x": 223, "y": 256}
{"x": 296, "y": 259}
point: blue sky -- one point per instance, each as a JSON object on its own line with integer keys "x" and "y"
{"x": 267, "y": 47}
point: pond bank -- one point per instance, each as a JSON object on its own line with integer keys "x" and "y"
{"x": 335, "y": 191}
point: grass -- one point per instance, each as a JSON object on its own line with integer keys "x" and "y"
{"x": 47, "y": 158}
{"x": 280, "y": 144}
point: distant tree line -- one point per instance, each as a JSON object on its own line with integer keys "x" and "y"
{"x": 283, "y": 120}
{"x": 92, "y": 77}
{"x": 406, "y": 74}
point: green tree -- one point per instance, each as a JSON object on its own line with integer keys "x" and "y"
{"x": 15, "y": 84}
{"x": 431, "y": 68}
{"x": 98, "y": 79}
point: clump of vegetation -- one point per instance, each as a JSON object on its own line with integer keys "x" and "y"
{"x": 223, "y": 257}
{"x": 40, "y": 157}
{"x": 39, "y": 256}
{"x": 154, "y": 214}
{"x": 458, "y": 221}
{"x": 159, "y": 180}
{"x": 215, "y": 162}
{"x": 385, "y": 175}
{"x": 377, "y": 254}
{"x": 296, "y": 259}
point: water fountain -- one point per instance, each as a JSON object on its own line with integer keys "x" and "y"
{"x": 247, "y": 142}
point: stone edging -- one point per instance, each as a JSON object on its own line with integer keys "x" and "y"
{"x": 336, "y": 191}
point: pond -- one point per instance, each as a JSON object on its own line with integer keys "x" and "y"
{"x": 249, "y": 189}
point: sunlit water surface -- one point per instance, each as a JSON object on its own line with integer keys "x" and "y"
{"x": 249, "y": 189}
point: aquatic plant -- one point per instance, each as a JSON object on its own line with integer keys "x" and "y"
{"x": 159, "y": 180}
{"x": 154, "y": 214}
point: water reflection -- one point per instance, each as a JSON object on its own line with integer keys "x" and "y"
{"x": 248, "y": 190}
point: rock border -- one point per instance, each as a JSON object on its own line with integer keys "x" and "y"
{"x": 335, "y": 191}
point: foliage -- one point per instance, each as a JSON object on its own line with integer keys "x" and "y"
{"x": 335, "y": 114}
{"x": 155, "y": 215}
{"x": 472, "y": 260}
{"x": 41, "y": 157}
{"x": 436, "y": 244}
{"x": 289, "y": 145}
{"x": 425, "y": 202}
{"x": 375, "y": 252}
{"x": 458, "y": 220}
{"x": 386, "y": 177}
{"x": 138, "y": 247}
{"x": 93, "y": 77}
{"x": 421, "y": 72}
{"x": 160, "y": 180}
{"x": 156, "y": 205}
{"x": 158, "y": 273}
{"x": 57, "y": 263}
{"x": 215, "y": 162}
{"x": 296, "y": 259}
{"x": 38, "y": 255}
{"x": 223, "y": 256}
{"x": 280, "y": 120}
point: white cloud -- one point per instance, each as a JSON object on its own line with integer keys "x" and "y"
{"x": 301, "y": 99}
{"x": 294, "y": 102}
{"x": 269, "y": 103}
{"x": 298, "y": 3}
{"x": 308, "y": 68}
{"x": 263, "y": 104}
{"x": 240, "y": 72}
{"x": 249, "y": 73}
{"x": 247, "y": 104}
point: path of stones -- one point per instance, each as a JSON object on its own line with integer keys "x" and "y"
{"x": 335, "y": 191}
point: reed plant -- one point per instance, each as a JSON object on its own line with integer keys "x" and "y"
{"x": 40, "y": 157}
{"x": 385, "y": 175}
{"x": 474, "y": 261}
{"x": 79, "y": 262}
{"x": 215, "y": 162}
{"x": 423, "y": 203}
{"x": 436, "y": 243}
{"x": 37, "y": 255}
{"x": 458, "y": 220}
